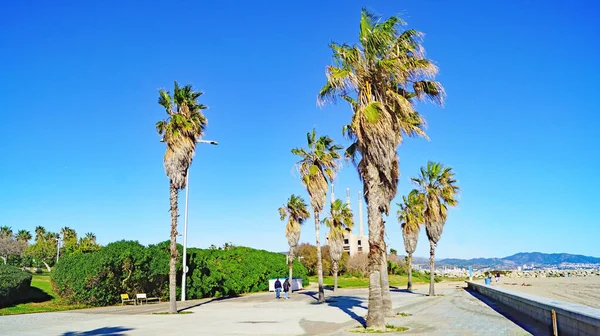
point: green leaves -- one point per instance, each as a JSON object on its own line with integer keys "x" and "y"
{"x": 372, "y": 111}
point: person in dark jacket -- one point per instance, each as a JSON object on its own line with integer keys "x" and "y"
{"x": 497, "y": 276}
{"x": 286, "y": 288}
{"x": 277, "y": 288}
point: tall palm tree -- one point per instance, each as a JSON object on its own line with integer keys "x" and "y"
{"x": 438, "y": 185}
{"x": 23, "y": 236}
{"x": 317, "y": 167}
{"x": 184, "y": 126}
{"x": 40, "y": 232}
{"x": 382, "y": 77}
{"x": 411, "y": 218}
{"x": 6, "y": 232}
{"x": 296, "y": 212}
{"x": 339, "y": 222}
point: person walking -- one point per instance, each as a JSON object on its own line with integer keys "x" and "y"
{"x": 286, "y": 288}
{"x": 497, "y": 277}
{"x": 277, "y": 288}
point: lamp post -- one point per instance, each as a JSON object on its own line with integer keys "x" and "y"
{"x": 57, "y": 249}
{"x": 185, "y": 223}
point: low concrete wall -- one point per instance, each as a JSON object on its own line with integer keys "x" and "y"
{"x": 572, "y": 319}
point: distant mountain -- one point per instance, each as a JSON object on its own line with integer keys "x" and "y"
{"x": 520, "y": 259}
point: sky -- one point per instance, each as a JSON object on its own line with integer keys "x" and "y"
{"x": 79, "y": 148}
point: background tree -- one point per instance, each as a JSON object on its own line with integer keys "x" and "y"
{"x": 23, "y": 236}
{"x": 317, "y": 167}
{"x": 437, "y": 184}
{"x": 296, "y": 212}
{"x": 44, "y": 249}
{"x": 88, "y": 244}
{"x": 40, "y": 232}
{"x": 181, "y": 130}
{"x": 410, "y": 217}
{"x": 69, "y": 240}
{"x": 339, "y": 221}
{"x": 382, "y": 78}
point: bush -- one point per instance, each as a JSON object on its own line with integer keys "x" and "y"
{"x": 14, "y": 285}
{"x": 235, "y": 271}
{"x": 99, "y": 278}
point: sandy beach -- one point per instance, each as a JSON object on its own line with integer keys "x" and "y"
{"x": 582, "y": 290}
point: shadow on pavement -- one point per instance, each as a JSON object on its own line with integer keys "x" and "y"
{"x": 106, "y": 331}
{"x": 345, "y": 304}
{"x": 397, "y": 290}
{"x": 207, "y": 302}
{"x": 530, "y": 325}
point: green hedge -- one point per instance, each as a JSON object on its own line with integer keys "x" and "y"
{"x": 99, "y": 278}
{"x": 235, "y": 271}
{"x": 14, "y": 284}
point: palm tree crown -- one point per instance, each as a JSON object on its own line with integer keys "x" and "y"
{"x": 6, "y": 232}
{"x": 23, "y": 236}
{"x": 382, "y": 78}
{"x": 340, "y": 219}
{"x": 184, "y": 125}
{"x": 295, "y": 210}
{"x": 317, "y": 166}
{"x": 438, "y": 185}
{"x": 410, "y": 217}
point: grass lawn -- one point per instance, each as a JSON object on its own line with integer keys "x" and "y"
{"x": 40, "y": 299}
{"x": 395, "y": 280}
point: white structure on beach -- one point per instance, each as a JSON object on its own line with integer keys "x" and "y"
{"x": 354, "y": 243}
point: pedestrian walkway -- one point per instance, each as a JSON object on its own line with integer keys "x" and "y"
{"x": 457, "y": 312}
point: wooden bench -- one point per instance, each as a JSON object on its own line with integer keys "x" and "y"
{"x": 142, "y": 297}
{"x": 125, "y": 298}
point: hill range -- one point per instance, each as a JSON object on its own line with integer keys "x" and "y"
{"x": 524, "y": 258}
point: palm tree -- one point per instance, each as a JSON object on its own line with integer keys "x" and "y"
{"x": 339, "y": 221}
{"x": 383, "y": 77}
{"x": 317, "y": 167}
{"x": 40, "y": 232}
{"x": 437, "y": 184}
{"x": 410, "y": 217}
{"x": 181, "y": 130}
{"x": 68, "y": 234}
{"x": 23, "y": 236}
{"x": 6, "y": 232}
{"x": 91, "y": 237}
{"x": 296, "y": 213}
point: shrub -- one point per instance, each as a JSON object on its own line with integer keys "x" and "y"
{"x": 358, "y": 265}
{"x": 235, "y": 271}
{"x": 14, "y": 285}
{"x": 99, "y": 278}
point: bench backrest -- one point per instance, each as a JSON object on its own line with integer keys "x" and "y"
{"x": 141, "y": 296}
{"x": 124, "y": 296}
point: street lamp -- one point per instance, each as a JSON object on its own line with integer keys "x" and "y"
{"x": 185, "y": 223}
{"x": 57, "y": 249}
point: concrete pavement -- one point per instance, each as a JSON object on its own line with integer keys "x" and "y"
{"x": 456, "y": 312}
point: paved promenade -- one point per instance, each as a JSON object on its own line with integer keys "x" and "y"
{"x": 456, "y": 312}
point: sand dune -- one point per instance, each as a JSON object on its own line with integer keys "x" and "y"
{"x": 582, "y": 290}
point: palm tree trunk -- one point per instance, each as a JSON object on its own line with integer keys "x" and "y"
{"x": 290, "y": 277}
{"x": 47, "y": 266}
{"x": 173, "y": 248}
{"x": 409, "y": 285}
{"x": 319, "y": 261}
{"x": 431, "y": 268}
{"x": 376, "y": 313}
{"x": 386, "y": 296}
{"x": 335, "y": 275}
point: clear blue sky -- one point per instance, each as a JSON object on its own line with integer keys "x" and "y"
{"x": 79, "y": 84}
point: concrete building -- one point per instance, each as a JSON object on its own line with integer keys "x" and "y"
{"x": 354, "y": 243}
